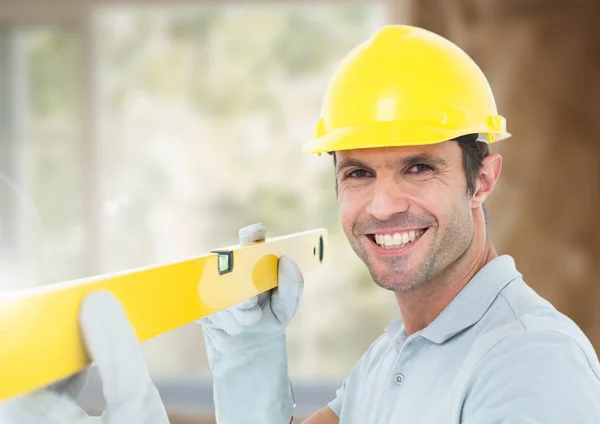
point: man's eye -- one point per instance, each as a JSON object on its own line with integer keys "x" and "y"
{"x": 357, "y": 173}
{"x": 420, "y": 169}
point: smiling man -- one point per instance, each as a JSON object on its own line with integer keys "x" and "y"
{"x": 408, "y": 118}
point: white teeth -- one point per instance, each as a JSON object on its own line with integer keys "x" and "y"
{"x": 387, "y": 239}
{"x": 390, "y": 241}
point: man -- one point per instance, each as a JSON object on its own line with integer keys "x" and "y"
{"x": 407, "y": 117}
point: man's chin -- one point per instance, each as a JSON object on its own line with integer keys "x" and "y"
{"x": 405, "y": 284}
{"x": 398, "y": 287}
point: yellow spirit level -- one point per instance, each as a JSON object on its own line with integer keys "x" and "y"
{"x": 40, "y": 341}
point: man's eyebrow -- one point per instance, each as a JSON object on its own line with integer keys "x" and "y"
{"x": 349, "y": 162}
{"x": 423, "y": 158}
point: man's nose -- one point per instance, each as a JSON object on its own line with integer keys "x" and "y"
{"x": 387, "y": 200}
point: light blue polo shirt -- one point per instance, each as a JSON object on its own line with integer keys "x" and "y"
{"x": 497, "y": 354}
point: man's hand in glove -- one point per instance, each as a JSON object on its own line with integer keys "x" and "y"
{"x": 246, "y": 347}
{"x": 131, "y": 397}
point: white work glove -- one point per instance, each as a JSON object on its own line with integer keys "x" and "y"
{"x": 246, "y": 347}
{"x": 131, "y": 397}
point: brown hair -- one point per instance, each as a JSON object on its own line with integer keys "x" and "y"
{"x": 473, "y": 152}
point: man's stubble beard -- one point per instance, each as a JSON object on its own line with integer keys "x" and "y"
{"x": 453, "y": 244}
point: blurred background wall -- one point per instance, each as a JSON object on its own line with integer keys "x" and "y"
{"x": 143, "y": 131}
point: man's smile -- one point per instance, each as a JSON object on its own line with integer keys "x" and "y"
{"x": 395, "y": 242}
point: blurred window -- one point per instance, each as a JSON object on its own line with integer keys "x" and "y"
{"x": 40, "y": 169}
{"x": 190, "y": 120}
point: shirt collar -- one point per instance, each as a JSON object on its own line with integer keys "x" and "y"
{"x": 469, "y": 305}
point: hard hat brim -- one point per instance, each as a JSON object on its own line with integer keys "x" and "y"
{"x": 393, "y": 134}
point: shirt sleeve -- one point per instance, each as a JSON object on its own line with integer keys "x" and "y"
{"x": 336, "y": 404}
{"x": 539, "y": 377}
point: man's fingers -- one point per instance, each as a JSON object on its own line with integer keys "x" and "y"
{"x": 247, "y": 317}
{"x": 72, "y": 386}
{"x": 114, "y": 347}
{"x": 225, "y": 321}
{"x": 252, "y": 233}
{"x": 41, "y": 407}
{"x": 248, "y": 303}
{"x": 286, "y": 297}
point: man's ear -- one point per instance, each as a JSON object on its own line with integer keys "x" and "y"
{"x": 488, "y": 176}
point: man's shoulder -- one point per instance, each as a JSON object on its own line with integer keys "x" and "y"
{"x": 532, "y": 329}
{"x": 533, "y": 320}
{"x": 544, "y": 373}
{"x": 528, "y": 344}
{"x": 522, "y": 326}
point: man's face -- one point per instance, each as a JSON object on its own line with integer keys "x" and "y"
{"x": 405, "y": 211}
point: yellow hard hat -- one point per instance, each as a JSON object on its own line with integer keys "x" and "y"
{"x": 405, "y": 86}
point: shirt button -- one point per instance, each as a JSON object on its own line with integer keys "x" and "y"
{"x": 399, "y": 378}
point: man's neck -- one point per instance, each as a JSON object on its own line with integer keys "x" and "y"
{"x": 420, "y": 307}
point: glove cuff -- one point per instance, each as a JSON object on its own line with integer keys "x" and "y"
{"x": 252, "y": 386}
